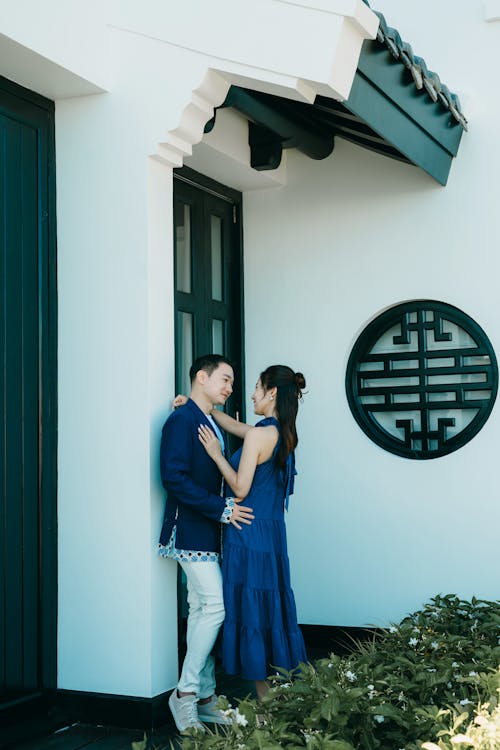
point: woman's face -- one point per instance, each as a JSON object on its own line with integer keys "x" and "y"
{"x": 259, "y": 398}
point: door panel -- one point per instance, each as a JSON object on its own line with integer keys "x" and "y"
{"x": 208, "y": 294}
{"x": 208, "y": 304}
{"x": 27, "y": 393}
{"x": 20, "y": 296}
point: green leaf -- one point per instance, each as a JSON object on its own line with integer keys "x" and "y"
{"x": 326, "y": 708}
{"x": 390, "y": 712}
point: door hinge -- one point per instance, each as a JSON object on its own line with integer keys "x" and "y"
{"x": 234, "y": 214}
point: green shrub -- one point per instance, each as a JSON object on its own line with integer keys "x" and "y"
{"x": 418, "y": 682}
{"x": 482, "y": 733}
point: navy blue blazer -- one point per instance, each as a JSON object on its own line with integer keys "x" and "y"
{"x": 193, "y": 483}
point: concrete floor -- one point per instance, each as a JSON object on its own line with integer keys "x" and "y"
{"x": 77, "y": 736}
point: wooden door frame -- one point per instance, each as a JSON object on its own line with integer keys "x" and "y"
{"x": 39, "y": 112}
{"x": 207, "y": 184}
{"x": 201, "y": 182}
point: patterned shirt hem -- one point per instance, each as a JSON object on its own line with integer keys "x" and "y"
{"x": 190, "y": 555}
{"x": 185, "y": 555}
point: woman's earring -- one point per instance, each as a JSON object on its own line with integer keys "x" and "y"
{"x": 271, "y": 398}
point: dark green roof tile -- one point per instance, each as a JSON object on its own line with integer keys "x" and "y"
{"x": 424, "y": 78}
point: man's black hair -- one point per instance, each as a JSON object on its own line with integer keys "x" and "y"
{"x": 208, "y": 363}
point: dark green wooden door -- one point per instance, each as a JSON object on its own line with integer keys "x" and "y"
{"x": 208, "y": 295}
{"x": 27, "y": 391}
{"x": 208, "y": 273}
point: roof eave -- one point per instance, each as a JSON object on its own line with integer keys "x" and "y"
{"x": 384, "y": 95}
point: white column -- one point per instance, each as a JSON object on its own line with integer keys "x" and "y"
{"x": 117, "y": 601}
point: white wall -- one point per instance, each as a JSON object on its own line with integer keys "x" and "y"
{"x": 58, "y": 49}
{"x": 307, "y": 247}
{"x": 117, "y": 599}
{"x": 110, "y": 371}
{"x": 344, "y": 239}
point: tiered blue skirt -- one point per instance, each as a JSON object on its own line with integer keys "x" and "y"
{"x": 260, "y": 629}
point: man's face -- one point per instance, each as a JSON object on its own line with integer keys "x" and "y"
{"x": 219, "y": 385}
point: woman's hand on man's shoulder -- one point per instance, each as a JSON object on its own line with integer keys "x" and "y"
{"x": 179, "y": 400}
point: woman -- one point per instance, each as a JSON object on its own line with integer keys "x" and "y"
{"x": 260, "y": 627}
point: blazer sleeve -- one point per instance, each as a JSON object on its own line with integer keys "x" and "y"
{"x": 175, "y": 464}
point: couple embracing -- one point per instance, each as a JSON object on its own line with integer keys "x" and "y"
{"x": 248, "y": 591}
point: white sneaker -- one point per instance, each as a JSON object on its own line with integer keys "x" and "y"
{"x": 185, "y": 712}
{"x": 210, "y": 713}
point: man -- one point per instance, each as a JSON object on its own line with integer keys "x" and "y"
{"x": 191, "y": 534}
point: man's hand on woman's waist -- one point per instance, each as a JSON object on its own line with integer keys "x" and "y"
{"x": 241, "y": 514}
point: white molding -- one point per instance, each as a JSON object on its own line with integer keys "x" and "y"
{"x": 34, "y": 71}
{"x": 277, "y": 67}
{"x": 180, "y": 141}
{"x": 353, "y": 10}
{"x": 224, "y": 154}
{"x": 212, "y": 91}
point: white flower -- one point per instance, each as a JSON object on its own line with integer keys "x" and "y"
{"x": 431, "y": 670}
{"x": 481, "y": 720}
{"x": 458, "y": 739}
{"x": 308, "y": 736}
{"x": 464, "y": 702}
{"x": 236, "y": 716}
{"x": 472, "y": 674}
{"x": 286, "y": 684}
{"x": 401, "y": 696}
{"x": 379, "y": 718}
{"x": 434, "y": 644}
{"x": 393, "y": 629}
{"x": 330, "y": 665}
{"x": 350, "y": 676}
{"x": 455, "y": 664}
{"x": 413, "y": 641}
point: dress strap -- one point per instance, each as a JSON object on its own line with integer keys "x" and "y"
{"x": 290, "y": 473}
{"x": 267, "y": 421}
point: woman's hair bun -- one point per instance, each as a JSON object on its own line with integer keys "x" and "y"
{"x": 300, "y": 380}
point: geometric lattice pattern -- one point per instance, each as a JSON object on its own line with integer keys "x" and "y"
{"x": 422, "y": 379}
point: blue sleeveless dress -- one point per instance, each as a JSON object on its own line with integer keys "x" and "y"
{"x": 260, "y": 628}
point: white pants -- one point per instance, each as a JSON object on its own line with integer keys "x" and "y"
{"x": 205, "y": 616}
